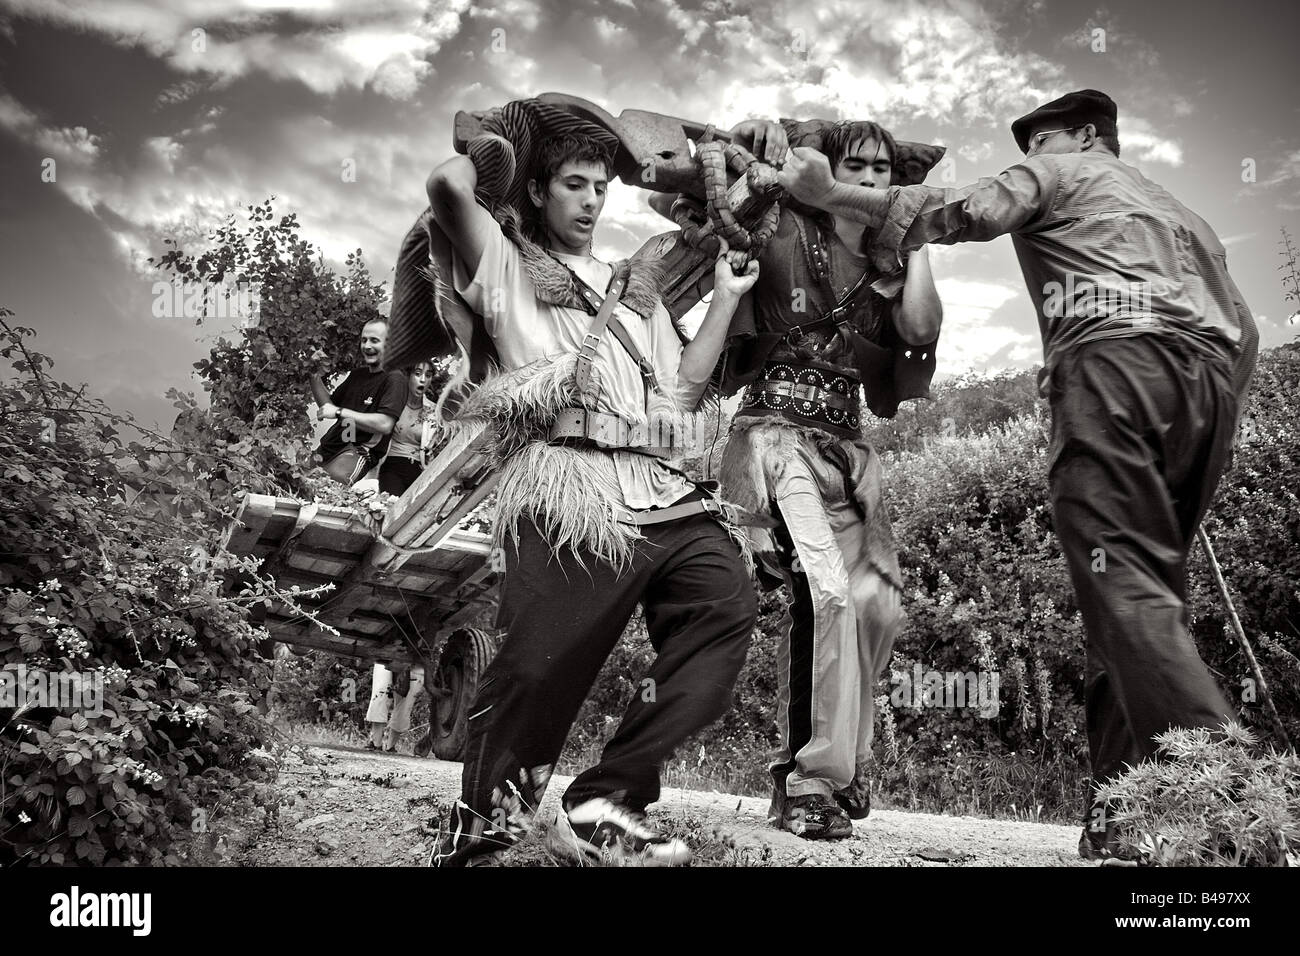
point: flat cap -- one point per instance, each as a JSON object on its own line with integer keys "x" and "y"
{"x": 1073, "y": 109}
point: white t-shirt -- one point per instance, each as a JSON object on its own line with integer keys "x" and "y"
{"x": 525, "y": 329}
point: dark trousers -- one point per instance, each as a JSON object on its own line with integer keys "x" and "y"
{"x": 562, "y": 620}
{"x": 398, "y": 474}
{"x": 1141, "y": 432}
{"x": 799, "y": 712}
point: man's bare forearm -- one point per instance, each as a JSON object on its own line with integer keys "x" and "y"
{"x": 318, "y": 390}
{"x": 370, "y": 421}
{"x": 921, "y": 312}
{"x": 700, "y": 356}
{"x": 857, "y": 203}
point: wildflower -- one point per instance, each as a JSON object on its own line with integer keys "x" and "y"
{"x": 23, "y": 817}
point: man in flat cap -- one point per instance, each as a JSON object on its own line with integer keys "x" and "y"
{"x": 1148, "y": 350}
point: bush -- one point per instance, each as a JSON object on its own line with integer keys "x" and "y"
{"x": 309, "y": 319}
{"x": 1212, "y": 800}
{"x": 126, "y": 591}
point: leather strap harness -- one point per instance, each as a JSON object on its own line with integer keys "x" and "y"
{"x": 609, "y": 432}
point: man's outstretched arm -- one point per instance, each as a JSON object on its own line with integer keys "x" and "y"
{"x": 907, "y": 217}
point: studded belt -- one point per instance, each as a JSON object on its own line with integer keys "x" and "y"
{"x": 819, "y": 395}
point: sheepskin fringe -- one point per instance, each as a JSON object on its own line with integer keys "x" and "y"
{"x": 757, "y": 454}
{"x": 572, "y": 495}
{"x": 520, "y": 405}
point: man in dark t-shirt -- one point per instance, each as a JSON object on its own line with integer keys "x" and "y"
{"x": 366, "y": 404}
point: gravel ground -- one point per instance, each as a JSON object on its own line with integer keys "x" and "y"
{"x": 343, "y": 806}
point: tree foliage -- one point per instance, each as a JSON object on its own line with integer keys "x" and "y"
{"x": 114, "y": 571}
{"x": 308, "y": 319}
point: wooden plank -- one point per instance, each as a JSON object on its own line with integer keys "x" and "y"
{"x": 324, "y": 554}
{"x": 385, "y": 560}
{"x": 418, "y": 581}
{"x": 305, "y": 578}
{"x": 243, "y": 533}
{"x": 464, "y": 448}
{"x": 416, "y": 518}
{"x": 312, "y": 638}
{"x": 464, "y": 615}
{"x": 381, "y": 561}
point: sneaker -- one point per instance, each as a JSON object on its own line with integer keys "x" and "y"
{"x": 815, "y": 817}
{"x": 599, "y": 832}
{"x": 855, "y": 799}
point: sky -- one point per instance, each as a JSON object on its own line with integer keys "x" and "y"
{"x": 127, "y": 122}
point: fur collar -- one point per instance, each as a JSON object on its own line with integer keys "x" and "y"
{"x": 555, "y": 285}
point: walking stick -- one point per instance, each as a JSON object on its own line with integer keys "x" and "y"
{"x": 1241, "y": 639}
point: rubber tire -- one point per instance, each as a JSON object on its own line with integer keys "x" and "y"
{"x": 461, "y": 664}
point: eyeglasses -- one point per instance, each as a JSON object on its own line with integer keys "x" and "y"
{"x": 1038, "y": 139}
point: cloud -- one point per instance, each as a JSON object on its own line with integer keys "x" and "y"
{"x": 71, "y": 144}
{"x": 1139, "y": 140}
{"x": 967, "y": 340}
{"x": 73, "y": 150}
{"x": 1285, "y": 178}
{"x": 179, "y": 92}
{"x": 328, "y": 46}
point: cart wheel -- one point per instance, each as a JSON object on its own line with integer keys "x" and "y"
{"x": 460, "y": 665}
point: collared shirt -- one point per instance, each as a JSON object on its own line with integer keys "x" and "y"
{"x": 1105, "y": 252}
{"x": 524, "y": 330}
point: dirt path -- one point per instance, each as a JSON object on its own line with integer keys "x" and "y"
{"x": 341, "y": 806}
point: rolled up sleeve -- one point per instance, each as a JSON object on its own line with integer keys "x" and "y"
{"x": 994, "y": 206}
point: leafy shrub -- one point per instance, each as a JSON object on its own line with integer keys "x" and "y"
{"x": 309, "y": 319}
{"x": 1211, "y": 800}
{"x": 126, "y": 590}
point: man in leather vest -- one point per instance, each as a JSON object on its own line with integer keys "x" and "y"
{"x": 823, "y": 329}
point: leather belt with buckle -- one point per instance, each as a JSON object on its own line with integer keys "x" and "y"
{"x": 823, "y": 395}
{"x": 608, "y": 432}
{"x": 808, "y": 393}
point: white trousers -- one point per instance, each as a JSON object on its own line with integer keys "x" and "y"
{"x": 386, "y": 708}
{"x": 843, "y": 615}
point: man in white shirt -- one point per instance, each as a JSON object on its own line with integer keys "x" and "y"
{"x": 594, "y": 514}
